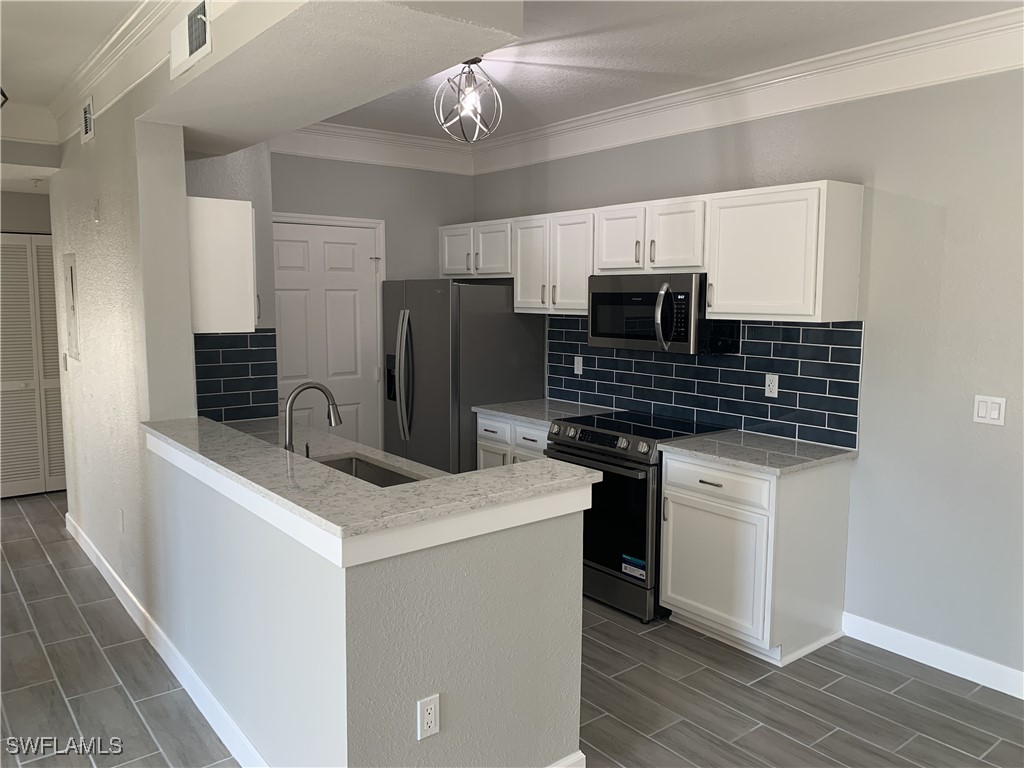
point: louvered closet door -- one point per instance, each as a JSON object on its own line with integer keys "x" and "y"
{"x": 21, "y": 439}
{"x": 49, "y": 365}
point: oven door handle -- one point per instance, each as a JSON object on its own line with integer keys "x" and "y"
{"x": 665, "y": 287}
{"x": 633, "y": 474}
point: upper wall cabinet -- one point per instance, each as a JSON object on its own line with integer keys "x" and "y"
{"x": 785, "y": 253}
{"x": 552, "y": 260}
{"x": 657, "y": 236}
{"x": 482, "y": 249}
{"x": 222, "y": 265}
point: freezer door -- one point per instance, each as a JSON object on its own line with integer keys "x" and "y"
{"x": 393, "y": 293}
{"x": 432, "y": 423}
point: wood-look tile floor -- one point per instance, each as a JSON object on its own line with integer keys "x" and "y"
{"x": 664, "y": 695}
{"x": 75, "y": 665}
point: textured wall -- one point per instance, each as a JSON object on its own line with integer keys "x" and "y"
{"x": 413, "y": 204}
{"x": 244, "y": 175}
{"x": 935, "y": 522}
{"x": 23, "y": 212}
{"x": 818, "y": 367}
{"x": 257, "y": 615}
{"x": 484, "y": 623}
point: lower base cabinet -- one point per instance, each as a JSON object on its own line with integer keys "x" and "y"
{"x": 500, "y": 442}
{"x": 519, "y": 456}
{"x": 492, "y": 455}
{"x": 755, "y": 560}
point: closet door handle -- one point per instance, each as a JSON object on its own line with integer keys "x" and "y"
{"x": 636, "y": 252}
{"x": 652, "y": 251}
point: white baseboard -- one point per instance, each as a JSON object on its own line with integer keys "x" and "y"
{"x": 952, "y": 660}
{"x": 234, "y": 739}
{"x": 576, "y": 760}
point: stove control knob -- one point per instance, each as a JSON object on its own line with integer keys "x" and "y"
{"x": 643, "y": 448}
{"x": 623, "y": 443}
{"x": 555, "y": 429}
{"x": 571, "y": 432}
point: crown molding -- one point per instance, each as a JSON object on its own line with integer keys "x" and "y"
{"x": 973, "y": 48}
{"x": 133, "y": 30}
{"x": 362, "y": 145}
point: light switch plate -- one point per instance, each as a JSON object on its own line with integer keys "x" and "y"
{"x": 577, "y": 365}
{"x": 990, "y": 410}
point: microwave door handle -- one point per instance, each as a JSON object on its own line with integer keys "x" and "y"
{"x": 658, "y": 305}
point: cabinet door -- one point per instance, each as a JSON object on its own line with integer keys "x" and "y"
{"x": 493, "y": 253}
{"x": 221, "y": 265}
{"x": 456, "y": 250}
{"x": 572, "y": 261}
{"x": 675, "y": 234}
{"x": 763, "y": 253}
{"x": 519, "y": 456}
{"x": 620, "y": 238}
{"x": 530, "y": 264}
{"x": 489, "y": 455}
{"x": 714, "y": 563}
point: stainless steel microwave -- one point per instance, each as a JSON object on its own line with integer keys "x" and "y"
{"x": 657, "y": 312}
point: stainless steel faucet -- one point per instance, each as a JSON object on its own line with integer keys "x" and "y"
{"x": 333, "y": 416}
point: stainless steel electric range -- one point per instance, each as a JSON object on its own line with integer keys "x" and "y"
{"x": 621, "y": 530}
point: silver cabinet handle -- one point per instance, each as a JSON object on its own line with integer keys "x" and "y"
{"x": 659, "y": 332}
{"x": 490, "y": 431}
{"x": 636, "y": 252}
{"x": 543, "y": 293}
{"x": 515, "y": 459}
{"x": 530, "y": 439}
{"x": 258, "y": 307}
{"x": 478, "y": 259}
{"x": 711, "y": 288}
{"x": 469, "y": 264}
{"x": 652, "y": 251}
{"x": 664, "y": 511}
{"x": 708, "y": 482}
{"x": 554, "y": 294}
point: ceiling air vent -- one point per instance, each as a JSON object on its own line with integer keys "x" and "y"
{"x": 190, "y": 40}
{"x": 88, "y": 126}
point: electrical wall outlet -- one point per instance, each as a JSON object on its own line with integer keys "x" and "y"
{"x": 577, "y": 365}
{"x": 771, "y": 385}
{"x": 428, "y": 716}
{"x": 990, "y": 410}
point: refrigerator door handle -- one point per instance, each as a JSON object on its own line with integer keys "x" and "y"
{"x": 400, "y": 373}
{"x": 409, "y": 388}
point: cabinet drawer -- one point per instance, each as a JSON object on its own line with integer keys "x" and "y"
{"x": 495, "y": 431}
{"x": 530, "y": 438}
{"x": 719, "y": 483}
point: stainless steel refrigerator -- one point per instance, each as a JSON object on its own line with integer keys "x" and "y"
{"x": 447, "y": 347}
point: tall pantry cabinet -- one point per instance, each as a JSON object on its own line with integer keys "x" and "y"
{"x": 31, "y": 439}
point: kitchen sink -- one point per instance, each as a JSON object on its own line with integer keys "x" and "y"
{"x": 367, "y": 471}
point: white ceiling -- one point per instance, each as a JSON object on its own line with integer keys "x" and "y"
{"x": 577, "y": 58}
{"x": 43, "y": 42}
{"x": 25, "y": 178}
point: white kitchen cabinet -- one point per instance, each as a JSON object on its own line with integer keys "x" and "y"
{"x": 552, "y": 258}
{"x": 519, "y": 456}
{"x": 785, "y": 253}
{"x": 221, "y": 240}
{"x": 456, "y": 250}
{"x": 619, "y": 239}
{"x": 482, "y": 248}
{"x": 660, "y": 235}
{"x": 716, "y": 563}
{"x": 753, "y": 559}
{"x": 530, "y": 264}
{"x": 492, "y": 454}
{"x": 500, "y": 442}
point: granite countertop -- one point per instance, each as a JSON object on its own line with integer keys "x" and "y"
{"x": 540, "y": 412}
{"x": 754, "y": 451}
{"x": 344, "y": 505}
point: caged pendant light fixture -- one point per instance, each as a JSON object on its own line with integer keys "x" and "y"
{"x": 468, "y": 106}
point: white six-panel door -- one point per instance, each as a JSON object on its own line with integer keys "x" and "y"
{"x": 327, "y": 282}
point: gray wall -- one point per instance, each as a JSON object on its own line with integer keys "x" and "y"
{"x": 243, "y": 175}
{"x": 484, "y": 623}
{"x": 935, "y": 522}
{"x": 412, "y": 203}
{"x": 24, "y": 212}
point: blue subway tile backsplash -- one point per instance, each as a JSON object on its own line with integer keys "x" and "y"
{"x": 818, "y": 366}
{"x": 236, "y": 375}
